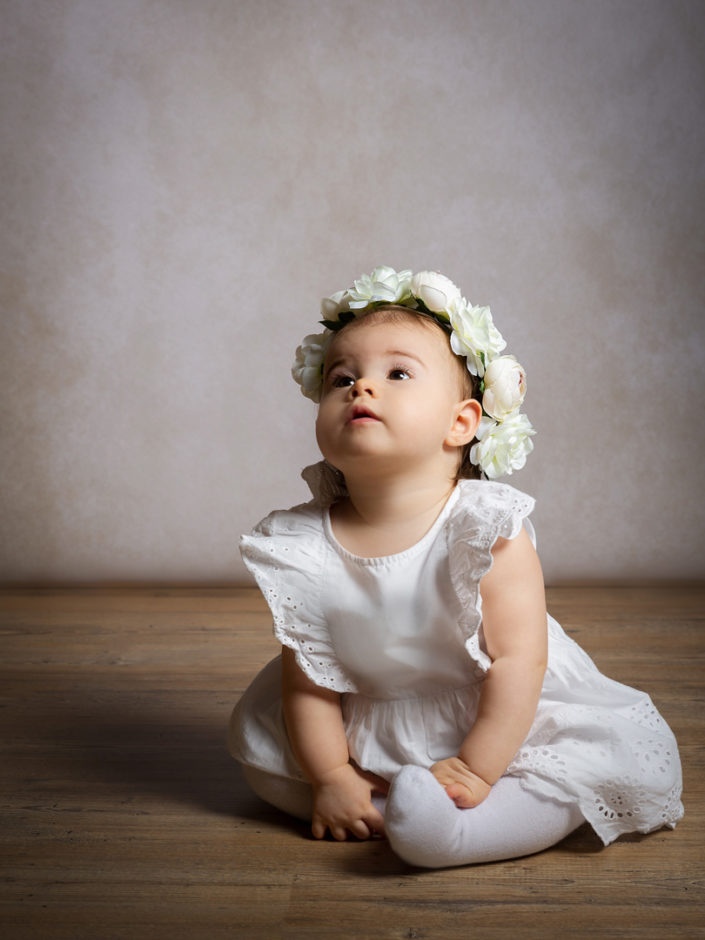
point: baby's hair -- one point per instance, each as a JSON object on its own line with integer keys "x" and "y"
{"x": 469, "y": 385}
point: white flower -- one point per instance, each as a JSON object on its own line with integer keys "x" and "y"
{"x": 384, "y": 284}
{"x": 503, "y": 439}
{"x": 505, "y": 387}
{"x": 435, "y": 291}
{"x": 333, "y": 306}
{"x": 502, "y": 448}
{"x": 474, "y": 335}
{"x": 308, "y": 365}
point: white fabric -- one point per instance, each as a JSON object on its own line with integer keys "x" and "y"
{"x": 425, "y": 828}
{"x": 401, "y": 638}
{"x": 293, "y": 797}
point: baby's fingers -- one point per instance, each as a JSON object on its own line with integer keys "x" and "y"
{"x": 374, "y": 821}
{"x": 358, "y": 828}
{"x": 318, "y": 829}
{"x": 462, "y": 796}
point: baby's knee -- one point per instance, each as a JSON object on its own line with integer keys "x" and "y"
{"x": 293, "y": 797}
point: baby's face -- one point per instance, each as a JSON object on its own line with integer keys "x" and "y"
{"x": 390, "y": 390}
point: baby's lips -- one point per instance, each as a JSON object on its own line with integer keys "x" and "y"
{"x": 362, "y": 413}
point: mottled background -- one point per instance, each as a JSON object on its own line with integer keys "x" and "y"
{"x": 182, "y": 180}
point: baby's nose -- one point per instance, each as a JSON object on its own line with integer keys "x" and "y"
{"x": 362, "y": 386}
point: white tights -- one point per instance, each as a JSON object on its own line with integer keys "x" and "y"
{"x": 425, "y": 828}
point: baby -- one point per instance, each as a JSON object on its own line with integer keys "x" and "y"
{"x": 423, "y": 691}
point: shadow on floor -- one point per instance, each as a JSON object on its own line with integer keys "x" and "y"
{"x": 136, "y": 746}
{"x": 151, "y": 747}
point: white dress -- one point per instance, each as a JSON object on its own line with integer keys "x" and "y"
{"x": 401, "y": 638}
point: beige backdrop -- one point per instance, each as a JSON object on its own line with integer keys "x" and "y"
{"x": 182, "y": 180}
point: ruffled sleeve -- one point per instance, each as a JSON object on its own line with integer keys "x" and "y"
{"x": 286, "y": 553}
{"x": 485, "y": 511}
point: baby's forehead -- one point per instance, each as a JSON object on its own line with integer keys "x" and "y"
{"x": 385, "y": 328}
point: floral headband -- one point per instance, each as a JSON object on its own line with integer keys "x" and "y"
{"x": 503, "y": 439}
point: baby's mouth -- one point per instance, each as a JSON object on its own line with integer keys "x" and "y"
{"x": 361, "y": 415}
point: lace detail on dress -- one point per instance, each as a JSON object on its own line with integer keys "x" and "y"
{"x": 316, "y": 663}
{"x": 485, "y": 511}
{"x": 645, "y": 714}
{"x": 627, "y": 805}
{"x": 284, "y": 554}
{"x": 545, "y": 761}
{"x": 620, "y": 799}
{"x": 622, "y": 780}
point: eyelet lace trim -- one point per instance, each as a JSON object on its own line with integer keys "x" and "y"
{"x": 642, "y": 800}
{"x": 287, "y": 587}
{"x": 485, "y": 512}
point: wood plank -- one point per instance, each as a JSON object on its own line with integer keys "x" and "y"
{"x": 124, "y": 817}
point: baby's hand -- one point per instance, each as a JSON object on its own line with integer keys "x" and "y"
{"x": 342, "y": 803}
{"x": 464, "y": 787}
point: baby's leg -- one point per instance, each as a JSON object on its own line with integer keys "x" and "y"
{"x": 425, "y": 828}
{"x": 291, "y": 796}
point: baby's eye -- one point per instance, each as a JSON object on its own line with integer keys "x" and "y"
{"x": 399, "y": 375}
{"x": 341, "y": 381}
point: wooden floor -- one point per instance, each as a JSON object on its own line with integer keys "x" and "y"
{"x": 124, "y": 817}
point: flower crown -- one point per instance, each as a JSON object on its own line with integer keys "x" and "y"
{"x": 503, "y": 439}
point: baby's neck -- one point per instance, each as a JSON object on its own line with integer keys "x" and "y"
{"x": 385, "y": 520}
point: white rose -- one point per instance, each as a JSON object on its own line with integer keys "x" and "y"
{"x": 474, "y": 335}
{"x": 505, "y": 387}
{"x": 333, "y": 306}
{"x": 502, "y": 448}
{"x": 307, "y": 369}
{"x": 384, "y": 284}
{"x": 435, "y": 291}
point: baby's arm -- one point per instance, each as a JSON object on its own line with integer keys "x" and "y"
{"x": 341, "y": 792}
{"x": 515, "y": 629}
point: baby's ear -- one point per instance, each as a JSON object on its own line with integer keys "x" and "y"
{"x": 467, "y": 416}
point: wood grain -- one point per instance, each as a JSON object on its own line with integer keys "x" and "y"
{"x": 124, "y": 817}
